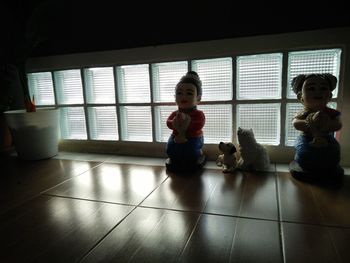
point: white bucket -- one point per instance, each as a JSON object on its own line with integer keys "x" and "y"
{"x": 35, "y": 134}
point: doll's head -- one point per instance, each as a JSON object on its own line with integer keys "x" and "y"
{"x": 314, "y": 91}
{"x": 188, "y": 91}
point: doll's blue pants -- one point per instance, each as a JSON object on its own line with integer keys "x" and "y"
{"x": 188, "y": 151}
{"x": 317, "y": 159}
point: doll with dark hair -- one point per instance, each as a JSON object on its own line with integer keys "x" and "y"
{"x": 184, "y": 147}
{"x": 317, "y": 153}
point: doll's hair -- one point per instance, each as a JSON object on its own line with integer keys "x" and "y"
{"x": 298, "y": 81}
{"x": 192, "y": 78}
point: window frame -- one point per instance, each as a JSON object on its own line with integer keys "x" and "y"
{"x": 283, "y": 100}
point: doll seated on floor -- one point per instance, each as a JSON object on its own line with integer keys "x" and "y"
{"x": 184, "y": 147}
{"x": 317, "y": 152}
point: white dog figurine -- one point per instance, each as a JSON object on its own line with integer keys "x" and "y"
{"x": 227, "y": 160}
{"x": 254, "y": 156}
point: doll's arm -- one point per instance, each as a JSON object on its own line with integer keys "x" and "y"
{"x": 324, "y": 123}
{"x": 334, "y": 124}
{"x": 197, "y": 122}
{"x": 300, "y": 125}
{"x": 170, "y": 120}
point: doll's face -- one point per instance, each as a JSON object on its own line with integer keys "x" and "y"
{"x": 186, "y": 96}
{"x": 315, "y": 93}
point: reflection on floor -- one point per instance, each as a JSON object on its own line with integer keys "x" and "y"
{"x": 101, "y": 208}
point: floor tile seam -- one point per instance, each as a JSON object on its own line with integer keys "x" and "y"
{"x": 132, "y": 163}
{"x": 88, "y": 200}
{"x": 279, "y": 217}
{"x": 334, "y": 245}
{"x": 144, "y": 199}
{"x": 316, "y": 224}
{"x": 106, "y": 235}
{"x": 246, "y": 217}
{"x": 208, "y": 213}
{"x": 316, "y": 203}
{"x": 71, "y": 178}
{"x": 210, "y": 195}
{"x": 189, "y": 238}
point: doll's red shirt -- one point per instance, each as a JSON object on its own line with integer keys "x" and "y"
{"x": 196, "y": 124}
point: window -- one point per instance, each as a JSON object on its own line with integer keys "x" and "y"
{"x": 165, "y": 76}
{"x": 263, "y": 118}
{"x": 313, "y": 61}
{"x": 103, "y": 123}
{"x": 216, "y": 77}
{"x": 304, "y": 62}
{"x": 69, "y": 87}
{"x": 99, "y": 83}
{"x": 136, "y": 123}
{"x": 133, "y": 102}
{"x": 133, "y": 84}
{"x": 41, "y": 87}
{"x": 100, "y": 97}
{"x": 259, "y": 77}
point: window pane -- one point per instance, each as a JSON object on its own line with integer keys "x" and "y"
{"x": 216, "y": 77}
{"x": 133, "y": 83}
{"x": 69, "y": 87}
{"x": 264, "y": 119}
{"x": 161, "y": 115}
{"x": 103, "y": 123}
{"x": 41, "y": 86}
{"x": 291, "y": 132}
{"x": 165, "y": 77}
{"x": 136, "y": 123}
{"x": 315, "y": 61}
{"x": 218, "y": 123}
{"x": 72, "y": 122}
{"x": 259, "y": 77}
{"x": 99, "y": 85}
{"x": 292, "y": 110}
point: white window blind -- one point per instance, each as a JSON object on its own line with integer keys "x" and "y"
{"x": 41, "y": 86}
{"x": 263, "y": 118}
{"x": 69, "y": 86}
{"x": 313, "y": 61}
{"x": 216, "y": 77}
{"x": 72, "y": 122}
{"x": 103, "y": 123}
{"x": 165, "y": 76}
{"x": 99, "y": 85}
{"x": 218, "y": 123}
{"x": 133, "y": 84}
{"x": 161, "y": 115}
{"x": 136, "y": 123}
{"x": 291, "y": 110}
{"x": 259, "y": 77}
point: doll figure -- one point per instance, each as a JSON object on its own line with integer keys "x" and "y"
{"x": 317, "y": 153}
{"x": 184, "y": 147}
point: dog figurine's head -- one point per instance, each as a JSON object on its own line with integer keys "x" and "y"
{"x": 227, "y": 148}
{"x": 227, "y": 160}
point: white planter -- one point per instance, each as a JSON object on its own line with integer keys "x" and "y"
{"x": 35, "y": 134}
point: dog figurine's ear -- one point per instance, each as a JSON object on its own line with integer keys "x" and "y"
{"x": 233, "y": 148}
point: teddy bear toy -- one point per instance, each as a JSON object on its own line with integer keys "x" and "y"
{"x": 227, "y": 160}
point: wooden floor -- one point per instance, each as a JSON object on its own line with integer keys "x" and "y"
{"x": 96, "y": 208}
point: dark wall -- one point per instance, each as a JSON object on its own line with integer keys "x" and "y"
{"x": 72, "y": 26}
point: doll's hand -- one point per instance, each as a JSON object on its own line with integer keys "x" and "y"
{"x": 181, "y": 122}
{"x": 321, "y": 121}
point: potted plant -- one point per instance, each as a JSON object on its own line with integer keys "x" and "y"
{"x": 11, "y": 98}
{"x": 34, "y": 132}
